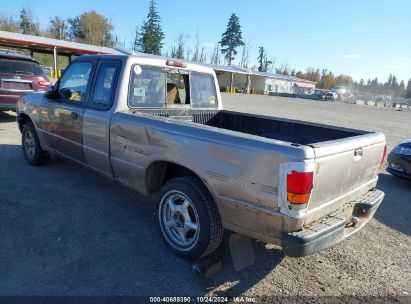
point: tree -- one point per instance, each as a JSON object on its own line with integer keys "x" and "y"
{"x": 261, "y": 59}
{"x": 58, "y": 28}
{"x": 329, "y": 81}
{"x": 408, "y": 91}
{"x": 151, "y": 35}
{"x": 179, "y": 50}
{"x": 92, "y": 28}
{"x": 196, "y": 55}
{"x": 401, "y": 89}
{"x": 245, "y": 55}
{"x": 215, "y": 57}
{"x": 231, "y": 38}
{"x": 27, "y": 23}
{"x": 8, "y": 24}
{"x": 136, "y": 46}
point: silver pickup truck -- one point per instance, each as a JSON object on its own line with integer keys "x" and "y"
{"x": 158, "y": 126}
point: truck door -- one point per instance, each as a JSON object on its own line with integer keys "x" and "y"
{"x": 96, "y": 120}
{"x": 65, "y": 110}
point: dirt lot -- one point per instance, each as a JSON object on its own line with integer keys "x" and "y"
{"x": 66, "y": 230}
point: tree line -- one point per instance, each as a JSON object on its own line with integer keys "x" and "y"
{"x": 93, "y": 28}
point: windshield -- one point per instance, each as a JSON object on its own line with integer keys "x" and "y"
{"x": 13, "y": 66}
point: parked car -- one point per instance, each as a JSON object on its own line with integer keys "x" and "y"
{"x": 399, "y": 160}
{"x": 158, "y": 126}
{"x": 320, "y": 94}
{"x": 339, "y": 90}
{"x": 19, "y": 74}
{"x": 331, "y": 96}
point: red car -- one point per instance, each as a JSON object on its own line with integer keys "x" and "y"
{"x": 19, "y": 74}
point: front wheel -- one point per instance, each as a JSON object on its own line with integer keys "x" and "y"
{"x": 32, "y": 151}
{"x": 189, "y": 218}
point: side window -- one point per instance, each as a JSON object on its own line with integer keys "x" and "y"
{"x": 147, "y": 87}
{"x": 73, "y": 84}
{"x": 177, "y": 88}
{"x": 105, "y": 85}
{"x": 203, "y": 91}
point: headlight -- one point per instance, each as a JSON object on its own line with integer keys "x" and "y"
{"x": 402, "y": 150}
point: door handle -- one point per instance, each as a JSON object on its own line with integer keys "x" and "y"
{"x": 74, "y": 115}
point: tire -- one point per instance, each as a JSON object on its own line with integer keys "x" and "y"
{"x": 189, "y": 219}
{"x": 30, "y": 143}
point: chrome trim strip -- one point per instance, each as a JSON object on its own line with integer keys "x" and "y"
{"x": 16, "y": 80}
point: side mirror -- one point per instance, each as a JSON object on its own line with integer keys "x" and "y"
{"x": 52, "y": 91}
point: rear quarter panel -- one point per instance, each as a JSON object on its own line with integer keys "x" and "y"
{"x": 239, "y": 170}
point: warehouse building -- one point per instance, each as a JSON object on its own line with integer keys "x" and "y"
{"x": 239, "y": 79}
{"x": 231, "y": 78}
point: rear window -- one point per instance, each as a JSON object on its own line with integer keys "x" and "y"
{"x": 13, "y": 66}
{"x": 203, "y": 91}
{"x": 147, "y": 87}
{"x": 166, "y": 87}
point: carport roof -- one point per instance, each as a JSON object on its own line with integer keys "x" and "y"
{"x": 279, "y": 76}
{"x": 46, "y": 45}
{"x": 241, "y": 70}
{"x": 228, "y": 68}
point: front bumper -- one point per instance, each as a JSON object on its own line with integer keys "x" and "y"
{"x": 332, "y": 229}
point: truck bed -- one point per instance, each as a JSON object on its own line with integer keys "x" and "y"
{"x": 347, "y": 161}
{"x": 293, "y": 131}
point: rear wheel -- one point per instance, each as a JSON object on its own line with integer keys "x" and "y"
{"x": 32, "y": 151}
{"x": 189, "y": 218}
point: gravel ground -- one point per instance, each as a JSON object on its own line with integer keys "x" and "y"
{"x": 69, "y": 231}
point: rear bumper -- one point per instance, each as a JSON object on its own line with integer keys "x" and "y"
{"x": 333, "y": 229}
{"x": 8, "y": 102}
{"x": 7, "y": 107}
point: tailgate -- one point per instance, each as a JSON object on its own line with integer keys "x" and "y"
{"x": 345, "y": 170}
{"x": 15, "y": 84}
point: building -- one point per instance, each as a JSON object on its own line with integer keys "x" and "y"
{"x": 239, "y": 79}
{"x": 231, "y": 78}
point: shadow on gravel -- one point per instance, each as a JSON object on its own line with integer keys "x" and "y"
{"x": 395, "y": 210}
{"x": 266, "y": 259}
{"x": 7, "y": 116}
{"x": 69, "y": 231}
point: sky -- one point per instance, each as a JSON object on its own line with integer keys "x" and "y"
{"x": 361, "y": 38}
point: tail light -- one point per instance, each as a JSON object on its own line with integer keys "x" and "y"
{"x": 177, "y": 64}
{"x": 43, "y": 84}
{"x": 384, "y": 158}
{"x": 299, "y": 186}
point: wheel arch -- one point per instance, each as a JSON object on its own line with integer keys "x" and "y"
{"x": 158, "y": 173}
{"x": 22, "y": 120}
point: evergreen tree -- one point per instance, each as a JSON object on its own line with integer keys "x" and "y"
{"x": 401, "y": 89}
{"x": 389, "y": 82}
{"x": 27, "y": 24}
{"x": 408, "y": 91}
{"x": 231, "y": 38}
{"x": 136, "y": 46}
{"x": 394, "y": 83}
{"x": 151, "y": 35}
{"x": 261, "y": 59}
